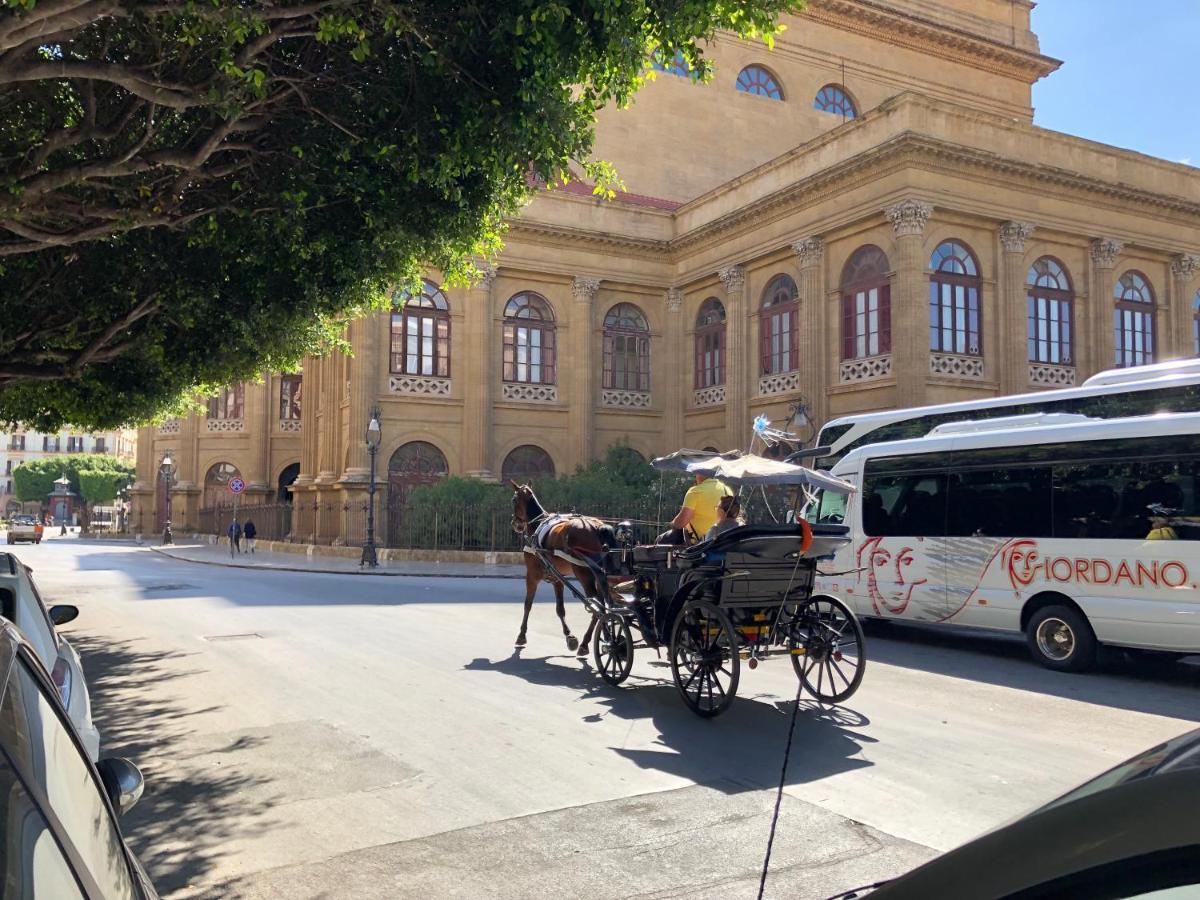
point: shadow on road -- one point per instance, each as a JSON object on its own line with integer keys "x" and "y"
{"x": 740, "y": 750}
{"x": 1159, "y": 688}
{"x": 189, "y": 812}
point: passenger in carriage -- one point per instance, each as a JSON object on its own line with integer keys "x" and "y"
{"x": 729, "y": 516}
{"x": 698, "y": 513}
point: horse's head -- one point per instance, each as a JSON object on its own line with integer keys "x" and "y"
{"x": 525, "y": 507}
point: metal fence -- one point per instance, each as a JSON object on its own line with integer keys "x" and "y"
{"x": 272, "y": 521}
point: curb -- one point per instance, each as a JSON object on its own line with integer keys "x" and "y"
{"x": 377, "y": 573}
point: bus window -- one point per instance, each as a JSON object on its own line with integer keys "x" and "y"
{"x": 905, "y": 505}
{"x": 1113, "y": 499}
{"x": 830, "y": 510}
{"x": 1003, "y": 502}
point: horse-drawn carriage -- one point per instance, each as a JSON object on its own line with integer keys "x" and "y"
{"x": 742, "y": 595}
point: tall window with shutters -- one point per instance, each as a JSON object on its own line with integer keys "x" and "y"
{"x": 1133, "y": 320}
{"x": 421, "y": 334}
{"x": 710, "y": 344}
{"x": 229, "y": 404}
{"x": 289, "y": 396}
{"x": 866, "y": 305}
{"x": 779, "y": 327}
{"x": 1051, "y": 302}
{"x": 529, "y": 340}
{"x": 626, "y": 349}
{"x": 954, "y": 316}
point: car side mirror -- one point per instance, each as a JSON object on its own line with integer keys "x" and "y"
{"x": 123, "y": 782}
{"x": 63, "y": 613}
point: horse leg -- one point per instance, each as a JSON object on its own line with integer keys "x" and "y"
{"x": 572, "y": 641}
{"x": 531, "y": 584}
{"x": 588, "y": 581}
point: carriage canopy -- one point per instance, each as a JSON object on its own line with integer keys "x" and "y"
{"x": 740, "y": 468}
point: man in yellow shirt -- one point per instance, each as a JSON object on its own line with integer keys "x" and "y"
{"x": 698, "y": 513}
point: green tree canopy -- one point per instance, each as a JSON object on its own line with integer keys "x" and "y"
{"x": 193, "y": 192}
{"x": 34, "y": 481}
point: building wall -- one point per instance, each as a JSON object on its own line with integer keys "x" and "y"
{"x": 121, "y": 443}
{"x": 934, "y": 160}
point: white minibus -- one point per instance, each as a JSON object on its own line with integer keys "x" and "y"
{"x": 1136, "y": 391}
{"x": 1073, "y": 531}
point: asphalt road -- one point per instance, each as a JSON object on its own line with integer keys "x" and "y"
{"x": 329, "y": 736}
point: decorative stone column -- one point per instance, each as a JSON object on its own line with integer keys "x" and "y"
{"x": 258, "y": 426}
{"x": 477, "y": 383}
{"x": 910, "y": 302}
{"x": 676, "y": 388}
{"x": 1011, "y": 357}
{"x": 364, "y": 338}
{"x": 585, "y": 373}
{"x": 1104, "y": 253}
{"x": 813, "y": 346}
{"x": 1184, "y": 269}
{"x": 737, "y": 357}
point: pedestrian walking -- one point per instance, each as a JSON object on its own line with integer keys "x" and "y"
{"x": 235, "y": 537}
{"x": 249, "y": 532}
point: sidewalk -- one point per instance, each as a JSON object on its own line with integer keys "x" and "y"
{"x": 218, "y": 555}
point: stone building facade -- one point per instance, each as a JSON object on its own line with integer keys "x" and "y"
{"x": 21, "y": 445}
{"x": 865, "y": 217}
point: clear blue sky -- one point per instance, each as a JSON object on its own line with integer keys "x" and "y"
{"x": 1129, "y": 73}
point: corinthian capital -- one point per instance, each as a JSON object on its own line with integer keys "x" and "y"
{"x": 1185, "y": 266}
{"x": 584, "y": 288}
{"x": 1105, "y": 251}
{"x": 487, "y": 275}
{"x": 733, "y": 277}
{"x": 909, "y": 216}
{"x": 810, "y": 250}
{"x": 1013, "y": 236}
{"x": 674, "y": 299}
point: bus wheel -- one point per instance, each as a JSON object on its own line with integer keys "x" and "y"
{"x": 1060, "y": 638}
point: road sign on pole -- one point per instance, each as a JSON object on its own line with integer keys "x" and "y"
{"x": 236, "y": 485}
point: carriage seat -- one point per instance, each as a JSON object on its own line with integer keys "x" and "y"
{"x": 736, "y": 536}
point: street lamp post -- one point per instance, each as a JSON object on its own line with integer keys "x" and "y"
{"x": 374, "y": 436}
{"x": 166, "y": 471}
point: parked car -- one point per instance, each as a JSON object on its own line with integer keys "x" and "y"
{"x": 1132, "y": 832}
{"x": 61, "y": 834}
{"x": 25, "y": 528}
{"x": 21, "y": 604}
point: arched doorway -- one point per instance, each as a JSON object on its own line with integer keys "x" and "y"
{"x": 412, "y": 465}
{"x": 286, "y": 477}
{"x": 216, "y": 485}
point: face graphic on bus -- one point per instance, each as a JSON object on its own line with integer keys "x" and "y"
{"x": 891, "y": 578}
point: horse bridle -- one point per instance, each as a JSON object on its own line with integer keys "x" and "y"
{"x": 522, "y": 497}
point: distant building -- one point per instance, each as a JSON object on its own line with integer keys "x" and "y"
{"x": 21, "y": 446}
{"x": 865, "y": 217}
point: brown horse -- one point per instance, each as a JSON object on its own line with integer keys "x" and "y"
{"x": 581, "y": 537}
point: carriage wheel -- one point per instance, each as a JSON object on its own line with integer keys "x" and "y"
{"x": 828, "y": 649}
{"x": 612, "y": 648}
{"x": 704, "y": 658}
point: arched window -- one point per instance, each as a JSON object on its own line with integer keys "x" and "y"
{"x": 529, "y": 340}
{"x": 216, "y": 484}
{"x": 1196, "y": 324}
{"x": 1050, "y": 313}
{"x": 290, "y": 388}
{"x": 229, "y": 404}
{"x": 780, "y": 317}
{"x": 757, "y": 80}
{"x": 677, "y": 65}
{"x": 626, "y": 349}
{"x": 710, "y": 344}
{"x": 954, "y": 301}
{"x": 421, "y": 334}
{"x": 527, "y": 463}
{"x": 834, "y": 99}
{"x": 866, "y": 304}
{"x": 1133, "y": 320}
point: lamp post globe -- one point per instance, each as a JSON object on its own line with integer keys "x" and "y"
{"x": 373, "y": 438}
{"x": 166, "y": 471}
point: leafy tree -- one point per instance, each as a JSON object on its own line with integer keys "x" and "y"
{"x": 193, "y": 192}
{"x": 95, "y": 479}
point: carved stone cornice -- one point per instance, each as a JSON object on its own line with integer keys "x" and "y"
{"x": 929, "y": 37}
{"x": 1013, "y": 235}
{"x": 733, "y": 277}
{"x": 583, "y": 288}
{"x": 1185, "y": 266}
{"x": 674, "y": 300}
{"x": 1104, "y": 252}
{"x": 909, "y": 217}
{"x": 811, "y": 251}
